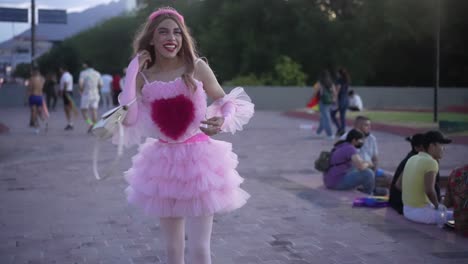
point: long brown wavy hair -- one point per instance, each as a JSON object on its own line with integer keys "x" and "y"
{"x": 188, "y": 52}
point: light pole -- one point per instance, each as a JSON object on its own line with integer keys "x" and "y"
{"x": 437, "y": 59}
{"x": 33, "y": 30}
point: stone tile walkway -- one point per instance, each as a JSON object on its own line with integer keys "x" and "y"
{"x": 53, "y": 211}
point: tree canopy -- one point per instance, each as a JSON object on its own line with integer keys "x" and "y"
{"x": 288, "y": 42}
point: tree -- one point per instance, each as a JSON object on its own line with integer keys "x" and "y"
{"x": 385, "y": 42}
{"x": 344, "y": 9}
{"x": 288, "y": 73}
{"x": 61, "y": 54}
{"x": 22, "y": 70}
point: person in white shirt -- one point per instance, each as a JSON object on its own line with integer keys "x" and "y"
{"x": 369, "y": 151}
{"x": 106, "y": 90}
{"x": 90, "y": 82}
{"x": 355, "y": 101}
{"x": 66, "y": 91}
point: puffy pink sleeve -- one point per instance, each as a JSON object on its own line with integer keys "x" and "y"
{"x": 135, "y": 125}
{"x": 129, "y": 92}
{"x": 236, "y": 107}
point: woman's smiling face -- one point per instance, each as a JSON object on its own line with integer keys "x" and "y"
{"x": 167, "y": 38}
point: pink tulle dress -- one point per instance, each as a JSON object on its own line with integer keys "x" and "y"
{"x": 179, "y": 171}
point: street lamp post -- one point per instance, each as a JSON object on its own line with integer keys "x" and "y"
{"x": 437, "y": 59}
{"x": 33, "y": 30}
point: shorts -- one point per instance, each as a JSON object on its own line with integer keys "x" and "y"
{"x": 66, "y": 98}
{"x": 89, "y": 102}
{"x": 35, "y": 100}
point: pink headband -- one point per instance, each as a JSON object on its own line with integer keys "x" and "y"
{"x": 163, "y": 11}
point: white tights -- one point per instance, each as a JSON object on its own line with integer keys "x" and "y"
{"x": 199, "y": 235}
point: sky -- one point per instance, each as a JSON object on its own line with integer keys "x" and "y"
{"x": 8, "y": 29}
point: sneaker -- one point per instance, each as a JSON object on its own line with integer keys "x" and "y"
{"x": 319, "y": 136}
{"x": 90, "y": 129}
{"x": 37, "y": 131}
{"x": 68, "y": 127}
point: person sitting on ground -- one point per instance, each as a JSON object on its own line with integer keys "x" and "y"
{"x": 347, "y": 169}
{"x": 395, "y": 193}
{"x": 420, "y": 203}
{"x": 369, "y": 151}
{"x": 354, "y": 101}
{"x": 395, "y": 200}
{"x": 457, "y": 198}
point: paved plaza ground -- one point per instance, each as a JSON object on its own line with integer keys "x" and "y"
{"x": 54, "y": 211}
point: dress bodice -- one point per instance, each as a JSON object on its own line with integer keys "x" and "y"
{"x": 174, "y": 110}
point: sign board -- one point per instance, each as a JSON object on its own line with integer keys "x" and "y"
{"x": 52, "y": 16}
{"x": 13, "y": 14}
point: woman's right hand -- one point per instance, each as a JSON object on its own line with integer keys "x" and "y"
{"x": 144, "y": 58}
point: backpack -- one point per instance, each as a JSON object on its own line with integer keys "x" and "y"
{"x": 326, "y": 96}
{"x": 323, "y": 162}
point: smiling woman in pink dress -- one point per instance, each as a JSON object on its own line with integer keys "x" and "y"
{"x": 180, "y": 174}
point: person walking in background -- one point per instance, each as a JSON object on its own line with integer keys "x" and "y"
{"x": 116, "y": 89}
{"x": 90, "y": 82}
{"x": 106, "y": 91}
{"x": 184, "y": 177}
{"x": 327, "y": 97}
{"x": 342, "y": 84}
{"x": 50, "y": 90}
{"x": 35, "y": 96}
{"x": 66, "y": 91}
{"x": 122, "y": 79}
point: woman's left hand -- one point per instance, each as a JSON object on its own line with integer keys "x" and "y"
{"x": 213, "y": 125}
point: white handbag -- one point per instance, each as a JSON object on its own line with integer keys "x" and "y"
{"x": 104, "y": 129}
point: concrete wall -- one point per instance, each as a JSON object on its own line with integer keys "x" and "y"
{"x": 286, "y": 98}
{"x": 15, "y": 95}
{"x": 12, "y": 95}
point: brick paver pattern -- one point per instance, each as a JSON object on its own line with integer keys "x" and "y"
{"x": 54, "y": 211}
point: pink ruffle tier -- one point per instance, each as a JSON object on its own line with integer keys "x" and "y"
{"x": 188, "y": 179}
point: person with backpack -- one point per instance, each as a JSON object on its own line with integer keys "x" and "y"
{"x": 327, "y": 97}
{"x": 347, "y": 170}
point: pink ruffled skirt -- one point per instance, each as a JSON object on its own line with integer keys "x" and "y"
{"x": 185, "y": 179}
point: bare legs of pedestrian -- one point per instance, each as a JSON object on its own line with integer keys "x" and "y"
{"x": 68, "y": 110}
{"x": 93, "y": 115}
{"x": 174, "y": 236}
{"x": 34, "y": 121}
{"x": 88, "y": 121}
{"x": 199, "y": 236}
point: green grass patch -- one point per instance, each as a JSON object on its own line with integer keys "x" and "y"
{"x": 422, "y": 118}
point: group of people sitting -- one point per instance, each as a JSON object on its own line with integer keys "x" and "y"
{"x": 414, "y": 188}
{"x": 354, "y": 161}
